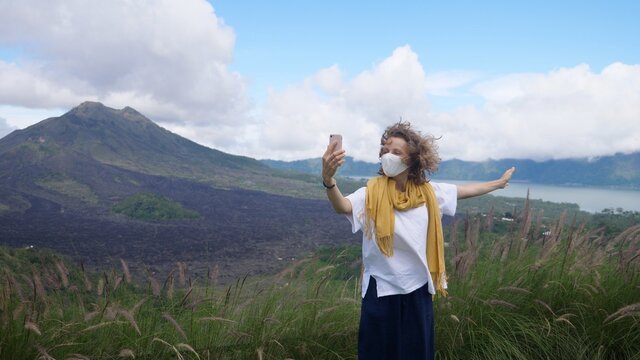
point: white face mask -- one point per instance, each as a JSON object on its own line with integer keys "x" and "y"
{"x": 392, "y": 164}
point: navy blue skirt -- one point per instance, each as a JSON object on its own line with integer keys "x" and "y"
{"x": 396, "y": 326}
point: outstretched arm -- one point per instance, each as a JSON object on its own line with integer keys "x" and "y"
{"x": 470, "y": 190}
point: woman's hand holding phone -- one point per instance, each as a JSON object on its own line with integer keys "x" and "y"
{"x": 332, "y": 159}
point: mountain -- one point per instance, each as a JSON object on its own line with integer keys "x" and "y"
{"x": 62, "y": 179}
{"x": 95, "y": 134}
{"x": 619, "y": 170}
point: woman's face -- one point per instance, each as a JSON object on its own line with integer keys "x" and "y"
{"x": 397, "y": 146}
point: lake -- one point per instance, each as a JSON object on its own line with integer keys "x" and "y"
{"x": 589, "y": 199}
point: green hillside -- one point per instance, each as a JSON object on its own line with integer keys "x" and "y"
{"x": 150, "y": 206}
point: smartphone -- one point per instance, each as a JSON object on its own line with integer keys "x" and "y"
{"x": 335, "y": 138}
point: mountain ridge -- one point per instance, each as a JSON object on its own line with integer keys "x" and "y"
{"x": 106, "y": 134}
{"x": 619, "y": 170}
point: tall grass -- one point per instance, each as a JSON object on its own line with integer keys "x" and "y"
{"x": 301, "y": 313}
{"x": 565, "y": 292}
{"x": 570, "y": 294}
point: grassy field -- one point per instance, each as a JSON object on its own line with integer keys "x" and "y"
{"x": 560, "y": 290}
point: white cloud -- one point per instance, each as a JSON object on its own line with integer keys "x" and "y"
{"x": 20, "y": 117}
{"x": 23, "y": 86}
{"x": 168, "y": 58}
{"x": 568, "y": 112}
{"x": 296, "y": 122}
{"x": 446, "y": 82}
{"x": 5, "y": 128}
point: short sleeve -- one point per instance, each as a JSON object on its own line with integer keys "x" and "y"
{"x": 447, "y": 195}
{"x": 357, "y": 200}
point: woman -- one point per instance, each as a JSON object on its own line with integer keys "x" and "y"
{"x": 403, "y": 246}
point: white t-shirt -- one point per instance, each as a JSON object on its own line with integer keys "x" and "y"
{"x": 407, "y": 270}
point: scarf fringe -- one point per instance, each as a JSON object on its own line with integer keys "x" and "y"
{"x": 385, "y": 244}
{"x": 439, "y": 280}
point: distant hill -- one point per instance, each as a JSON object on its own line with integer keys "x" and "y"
{"x": 351, "y": 167}
{"x": 619, "y": 170}
{"x": 62, "y": 178}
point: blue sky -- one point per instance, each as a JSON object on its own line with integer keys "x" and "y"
{"x": 281, "y": 42}
{"x": 272, "y": 79}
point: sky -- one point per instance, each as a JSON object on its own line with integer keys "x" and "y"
{"x": 491, "y": 79}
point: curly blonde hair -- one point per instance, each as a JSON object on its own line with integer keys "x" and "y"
{"x": 423, "y": 151}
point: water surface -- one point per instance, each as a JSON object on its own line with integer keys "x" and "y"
{"x": 591, "y": 199}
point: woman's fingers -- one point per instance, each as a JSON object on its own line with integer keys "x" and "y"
{"x": 338, "y": 159}
{"x": 335, "y": 163}
{"x": 507, "y": 176}
{"x": 339, "y": 155}
{"x": 331, "y": 161}
{"x": 509, "y": 173}
{"x": 335, "y": 156}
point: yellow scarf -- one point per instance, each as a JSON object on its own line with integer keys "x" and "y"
{"x": 382, "y": 198}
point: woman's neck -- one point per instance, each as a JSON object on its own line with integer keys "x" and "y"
{"x": 401, "y": 180}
